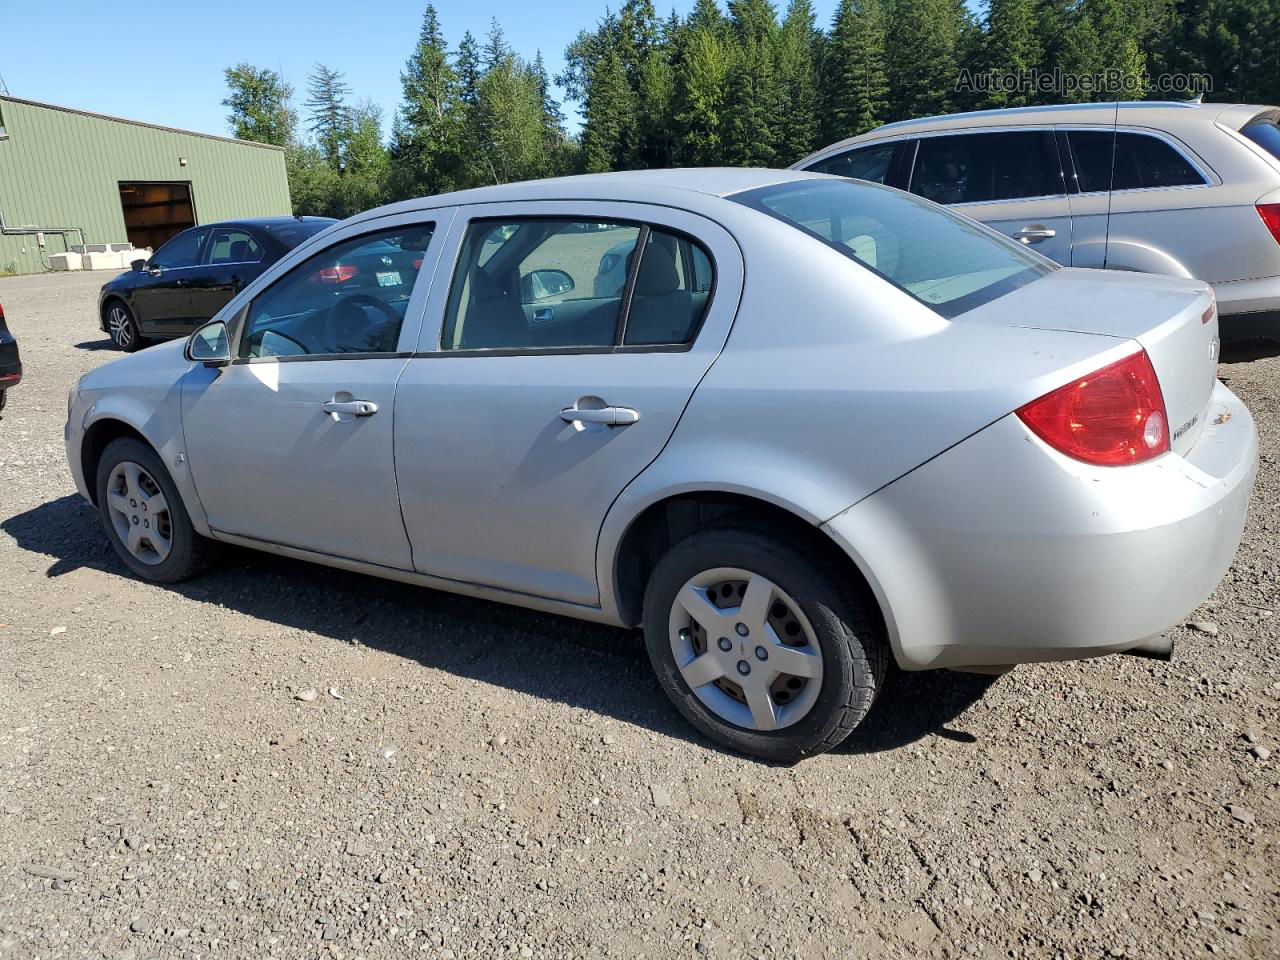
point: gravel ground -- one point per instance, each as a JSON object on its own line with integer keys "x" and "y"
{"x": 279, "y": 760}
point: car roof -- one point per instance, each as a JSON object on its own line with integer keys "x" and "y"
{"x": 1138, "y": 112}
{"x": 267, "y": 222}
{"x": 675, "y": 187}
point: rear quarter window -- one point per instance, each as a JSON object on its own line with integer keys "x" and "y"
{"x": 945, "y": 261}
{"x": 1110, "y": 160}
{"x": 1265, "y": 134}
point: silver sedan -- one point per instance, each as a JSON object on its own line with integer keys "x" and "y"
{"x": 821, "y": 425}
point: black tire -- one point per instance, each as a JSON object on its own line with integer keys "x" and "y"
{"x": 129, "y": 338}
{"x": 4, "y": 398}
{"x": 189, "y": 553}
{"x": 846, "y": 626}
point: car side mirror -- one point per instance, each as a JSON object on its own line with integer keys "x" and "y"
{"x": 209, "y": 345}
{"x": 138, "y": 265}
{"x": 544, "y": 283}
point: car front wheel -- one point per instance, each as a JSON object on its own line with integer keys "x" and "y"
{"x": 760, "y": 645}
{"x": 144, "y": 517}
{"x": 123, "y": 328}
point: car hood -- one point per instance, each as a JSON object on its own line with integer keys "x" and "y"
{"x": 163, "y": 362}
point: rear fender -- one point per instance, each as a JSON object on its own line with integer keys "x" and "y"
{"x": 1143, "y": 258}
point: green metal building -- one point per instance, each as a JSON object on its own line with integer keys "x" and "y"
{"x": 68, "y": 178}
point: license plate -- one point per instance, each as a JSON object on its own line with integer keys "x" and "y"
{"x": 389, "y": 278}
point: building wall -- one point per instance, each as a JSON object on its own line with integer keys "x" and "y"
{"x": 62, "y": 168}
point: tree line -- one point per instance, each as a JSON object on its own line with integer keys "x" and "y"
{"x": 739, "y": 86}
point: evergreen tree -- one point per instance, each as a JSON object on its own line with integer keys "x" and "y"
{"x": 655, "y": 104}
{"x": 330, "y": 118}
{"x": 366, "y": 165}
{"x": 797, "y": 63}
{"x": 467, "y": 68}
{"x": 922, "y": 73}
{"x": 496, "y": 48}
{"x": 1012, "y": 47}
{"x": 609, "y": 130}
{"x": 856, "y": 78}
{"x": 1118, "y": 48}
{"x": 259, "y": 105}
{"x": 508, "y": 120}
{"x": 427, "y": 138}
{"x": 701, "y": 90}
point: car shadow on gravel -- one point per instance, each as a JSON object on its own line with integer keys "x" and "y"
{"x": 106, "y": 343}
{"x": 1248, "y": 350}
{"x": 585, "y": 665}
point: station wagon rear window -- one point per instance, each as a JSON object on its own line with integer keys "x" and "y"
{"x": 1266, "y": 135}
{"x": 947, "y": 262}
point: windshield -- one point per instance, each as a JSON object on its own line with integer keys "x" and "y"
{"x": 947, "y": 262}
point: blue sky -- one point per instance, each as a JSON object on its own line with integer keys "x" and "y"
{"x": 163, "y": 63}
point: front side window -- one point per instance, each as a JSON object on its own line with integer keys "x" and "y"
{"x": 349, "y": 299}
{"x": 230, "y": 245}
{"x": 182, "y": 251}
{"x": 947, "y": 262}
{"x": 1111, "y": 160}
{"x": 865, "y": 163}
{"x": 981, "y": 167}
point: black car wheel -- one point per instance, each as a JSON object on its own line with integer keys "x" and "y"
{"x": 760, "y": 644}
{"x": 144, "y": 516}
{"x": 122, "y": 328}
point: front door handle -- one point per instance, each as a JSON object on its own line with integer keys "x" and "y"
{"x": 1035, "y": 233}
{"x": 612, "y": 416}
{"x": 352, "y": 408}
{"x": 544, "y": 314}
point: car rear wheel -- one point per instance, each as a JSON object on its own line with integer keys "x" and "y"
{"x": 144, "y": 517}
{"x": 4, "y": 398}
{"x": 759, "y": 645}
{"x": 122, "y": 328}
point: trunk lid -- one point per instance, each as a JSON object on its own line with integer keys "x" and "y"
{"x": 1166, "y": 315}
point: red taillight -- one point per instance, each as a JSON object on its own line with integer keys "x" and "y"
{"x": 339, "y": 274}
{"x": 1110, "y": 418}
{"x": 417, "y": 264}
{"x": 1270, "y": 214}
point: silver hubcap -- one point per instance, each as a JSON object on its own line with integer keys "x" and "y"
{"x": 745, "y": 649}
{"x": 120, "y": 327}
{"x": 139, "y": 513}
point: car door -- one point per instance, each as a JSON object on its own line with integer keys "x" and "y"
{"x": 512, "y": 442}
{"x": 1010, "y": 180}
{"x": 162, "y": 289}
{"x": 291, "y": 442}
{"x": 231, "y": 258}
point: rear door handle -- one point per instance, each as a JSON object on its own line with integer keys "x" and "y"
{"x": 613, "y": 416}
{"x": 353, "y": 408}
{"x": 544, "y": 315}
{"x": 1035, "y": 233}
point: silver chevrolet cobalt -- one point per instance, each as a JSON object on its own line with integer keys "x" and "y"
{"x": 791, "y": 425}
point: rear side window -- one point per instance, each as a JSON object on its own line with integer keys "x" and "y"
{"x": 947, "y": 262}
{"x": 558, "y": 283}
{"x": 232, "y": 246}
{"x": 864, "y": 163}
{"x": 1266, "y": 135}
{"x": 1128, "y": 161}
{"x": 981, "y": 167}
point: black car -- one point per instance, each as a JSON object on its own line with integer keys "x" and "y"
{"x": 10, "y": 365}
{"x": 194, "y": 275}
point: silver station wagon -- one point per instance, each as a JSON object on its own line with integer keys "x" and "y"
{"x": 806, "y": 426}
{"x": 1185, "y": 189}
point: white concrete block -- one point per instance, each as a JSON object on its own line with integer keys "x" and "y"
{"x": 64, "y": 261}
{"x": 100, "y": 260}
{"x": 119, "y": 246}
{"x": 97, "y": 248}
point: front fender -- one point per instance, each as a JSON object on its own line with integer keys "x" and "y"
{"x": 156, "y": 415}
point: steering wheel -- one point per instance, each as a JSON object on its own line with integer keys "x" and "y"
{"x": 346, "y": 325}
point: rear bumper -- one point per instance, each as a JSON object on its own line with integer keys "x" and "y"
{"x": 1237, "y": 297}
{"x": 1002, "y": 551}
{"x": 10, "y": 364}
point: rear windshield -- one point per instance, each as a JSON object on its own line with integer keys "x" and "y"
{"x": 947, "y": 262}
{"x": 1266, "y": 135}
{"x": 292, "y": 234}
